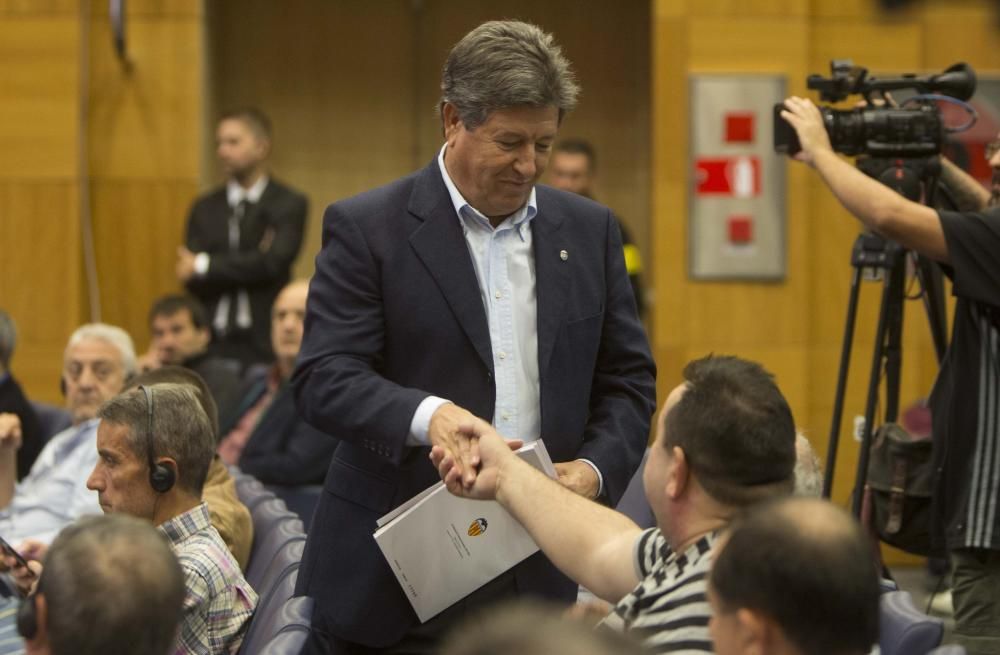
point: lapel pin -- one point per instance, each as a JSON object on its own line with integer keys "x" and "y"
{"x": 563, "y": 255}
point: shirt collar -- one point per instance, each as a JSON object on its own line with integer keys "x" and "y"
{"x": 184, "y": 525}
{"x": 519, "y": 219}
{"x": 236, "y": 193}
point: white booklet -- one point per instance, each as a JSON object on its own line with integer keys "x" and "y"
{"x": 442, "y": 548}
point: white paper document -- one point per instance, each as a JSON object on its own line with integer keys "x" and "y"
{"x": 442, "y": 548}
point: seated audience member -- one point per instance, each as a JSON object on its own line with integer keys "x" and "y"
{"x": 794, "y": 577}
{"x": 111, "y": 585}
{"x": 725, "y": 440}
{"x": 155, "y": 446}
{"x": 180, "y": 336}
{"x": 229, "y": 515}
{"x": 13, "y": 401}
{"x": 530, "y": 627}
{"x": 97, "y": 360}
{"x": 266, "y": 436}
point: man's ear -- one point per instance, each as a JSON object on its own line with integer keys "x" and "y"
{"x": 756, "y": 631}
{"x": 40, "y": 642}
{"x": 451, "y": 122}
{"x": 677, "y": 475}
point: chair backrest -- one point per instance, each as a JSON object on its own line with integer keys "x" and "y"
{"x": 262, "y": 572}
{"x": 633, "y": 503}
{"x": 251, "y": 492}
{"x": 290, "y": 640}
{"x": 285, "y": 631}
{"x": 268, "y": 617}
{"x": 302, "y": 499}
{"x": 51, "y": 419}
{"x": 903, "y": 629}
{"x": 950, "y": 649}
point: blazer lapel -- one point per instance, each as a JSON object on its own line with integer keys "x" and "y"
{"x": 552, "y": 274}
{"x": 440, "y": 245}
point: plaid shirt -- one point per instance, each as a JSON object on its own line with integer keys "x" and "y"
{"x": 218, "y": 603}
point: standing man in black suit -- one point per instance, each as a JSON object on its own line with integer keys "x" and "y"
{"x": 465, "y": 290}
{"x": 241, "y": 241}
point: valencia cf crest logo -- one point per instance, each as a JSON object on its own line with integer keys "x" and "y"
{"x": 477, "y": 527}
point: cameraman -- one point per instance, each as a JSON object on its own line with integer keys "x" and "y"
{"x": 966, "y": 396}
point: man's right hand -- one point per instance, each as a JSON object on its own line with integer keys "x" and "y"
{"x": 10, "y": 432}
{"x": 461, "y": 447}
{"x": 495, "y": 452}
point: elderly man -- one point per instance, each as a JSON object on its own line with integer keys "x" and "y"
{"x": 266, "y": 435}
{"x": 111, "y": 585}
{"x": 464, "y": 290}
{"x": 725, "y": 440}
{"x": 965, "y": 402}
{"x": 97, "y": 361}
{"x": 779, "y": 554}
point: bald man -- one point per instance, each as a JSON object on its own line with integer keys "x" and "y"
{"x": 265, "y": 436}
{"x": 780, "y": 553}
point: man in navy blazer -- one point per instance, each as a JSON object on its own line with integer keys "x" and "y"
{"x": 464, "y": 290}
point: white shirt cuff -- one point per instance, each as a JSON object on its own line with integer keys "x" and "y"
{"x": 600, "y": 478}
{"x": 421, "y": 422}
{"x": 201, "y": 263}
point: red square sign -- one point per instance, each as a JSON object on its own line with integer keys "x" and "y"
{"x": 740, "y": 230}
{"x": 739, "y": 127}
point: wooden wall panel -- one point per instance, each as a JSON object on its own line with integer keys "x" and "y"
{"x": 40, "y": 276}
{"x": 39, "y": 88}
{"x": 144, "y": 143}
{"x": 340, "y": 95}
{"x": 40, "y": 271}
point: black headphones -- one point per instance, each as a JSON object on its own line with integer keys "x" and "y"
{"x": 161, "y": 476}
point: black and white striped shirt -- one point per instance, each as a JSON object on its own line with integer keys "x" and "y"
{"x": 668, "y": 610}
{"x": 966, "y": 398}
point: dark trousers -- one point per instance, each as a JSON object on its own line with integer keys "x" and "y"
{"x": 976, "y": 595}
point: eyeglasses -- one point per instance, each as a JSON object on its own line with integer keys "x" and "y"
{"x": 992, "y": 148}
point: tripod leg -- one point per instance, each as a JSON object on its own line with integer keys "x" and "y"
{"x": 891, "y": 289}
{"x": 845, "y": 364}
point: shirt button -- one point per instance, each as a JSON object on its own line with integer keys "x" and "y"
{"x": 505, "y": 417}
{"x": 498, "y": 294}
{"x": 503, "y": 355}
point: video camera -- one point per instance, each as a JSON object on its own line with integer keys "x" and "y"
{"x": 874, "y": 130}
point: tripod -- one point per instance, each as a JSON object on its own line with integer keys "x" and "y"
{"x": 886, "y": 260}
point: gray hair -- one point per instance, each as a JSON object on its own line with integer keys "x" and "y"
{"x": 127, "y": 563}
{"x": 181, "y": 430}
{"x": 504, "y": 64}
{"x": 8, "y": 338}
{"x": 808, "y": 476}
{"x": 115, "y": 336}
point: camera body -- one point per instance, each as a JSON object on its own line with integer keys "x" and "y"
{"x": 879, "y": 130}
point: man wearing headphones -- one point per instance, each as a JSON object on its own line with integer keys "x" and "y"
{"x": 154, "y": 447}
{"x": 115, "y": 557}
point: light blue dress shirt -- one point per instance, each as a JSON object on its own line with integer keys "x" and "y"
{"x": 54, "y": 494}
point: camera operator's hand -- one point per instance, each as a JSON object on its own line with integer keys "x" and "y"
{"x": 805, "y": 117}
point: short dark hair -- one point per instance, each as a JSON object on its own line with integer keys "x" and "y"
{"x": 181, "y": 429}
{"x": 177, "y": 302}
{"x": 255, "y": 119}
{"x": 501, "y": 631}
{"x": 736, "y": 430}
{"x": 806, "y": 564}
{"x": 181, "y": 375}
{"x": 577, "y": 147}
{"x": 506, "y": 63}
{"x": 111, "y": 584}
